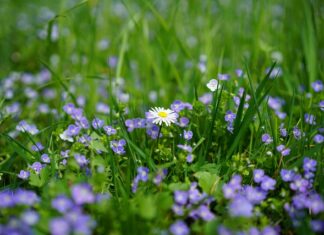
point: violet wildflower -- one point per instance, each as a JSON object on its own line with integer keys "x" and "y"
{"x": 30, "y": 217}
{"x": 321, "y": 105}
{"x": 299, "y": 184}
{"x": 309, "y": 164}
{"x": 69, "y": 108}
{"x": 254, "y": 195}
{"x": 181, "y": 197}
{"x": 118, "y": 146}
{"x": 37, "y": 167}
{"x": 109, "y": 130}
{"x": 59, "y": 226}
{"x": 65, "y": 136}
{"x": 45, "y": 158}
{"x": 85, "y": 140}
{"x": 183, "y": 122}
{"x": 287, "y": 175}
{"x": 266, "y": 138}
{"x": 187, "y": 135}
{"x": 81, "y": 160}
{"x": 130, "y": 124}
{"x": 240, "y": 206}
{"x": 160, "y": 176}
{"x": 309, "y": 118}
{"x": 178, "y": 209}
{"x": 204, "y": 213}
{"x": 97, "y": 123}
{"x": 230, "y": 116}
{"x": 239, "y": 72}
{"x": 24, "y": 175}
{"x": 318, "y": 86}
{"x": 206, "y": 98}
{"x": 73, "y": 130}
{"x": 258, "y": 175}
{"x": 317, "y": 226}
{"x": 297, "y": 133}
{"x": 177, "y": 106}
{"x": 82, "y": 193}
{"x": 23, "y": 126}
{"x": 153, "y": 132}
{"x": 179, "y": 228}
{"x": 83, "y": 123}
{"x": 223, "y": 77}
{"x": 142, "y": 173}
{"x": 189, "y": 158}
{"x": 25, "y": 197}
{"x": 139, "y": 122}
{"x": 62, "y": 203}
{"x": 268, "y": 183}
{"x": 315, "y": 204}
{"x": 37, "y": 147}
{"x": 318, "y": 138}
{"x": 185, "y": 147}
{"x": 102, "y": 108}
{"x": 7, "y": 199}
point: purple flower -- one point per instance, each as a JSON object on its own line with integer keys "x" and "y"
{"x": 177, "y": 209}
{"x": 206, "y": 98}
{"x": 240, "y": 206}
{"x": 25, "y": 197}
{"x": 102, "y": 108}
{"x": 73, "y": 130}
{"x": 160, "y": 176}
{"x": 285, "y": 152}
{"x": 310, "y": 119}
{"x": 7, "y": 199}
{"x": 297, "y": 133}
{"x": 254, "y": 195}
{"x": 179, "y": 228}
{"x": 268, "y": 183}
{"x": 23, "y": 126}
{"x": 204, "y": 213}
{"x": 30, "y": 217}
{"x": 315, "y": 204}
{"x": 223, "y": 77}
{"x": 142, "y": 173}
{"x": 85, "y": 140}
{"x": 269, "y": 231}
{"x": 275, "y": 103}
{"x": 59, "y": 226}
{"x": 24, "y": 175}
{"x": 185, "y": 147}
{"x": 309, "y": 164}
{"x": 139, "y": 122}
{"x": 287, "y": 175}
{"x": 109, "y": 130}
{"x": 82, "y": 193}
{"x": 317, "y": 226}
{"x": 239, "y": 72}
{"x": 83, "y": 123}
{"x": 258, "y": 175}
{"x": 97, "y": 123}
{"x": 266, "y": 138}
{"x": 62, "y": 203}
{"x": 187, "y": 135}
{"x": 318, "y": 138}
{"x": 37, "y": 167}
{"x": 318, "y": 86}
{"x": 130, "y": 124}
{"x": 37, "y": 147}
{"x": 181, "y": 197}
{"x": 321, "y": 105}
{"x": 118, "y": 146}
{"x": 153, "y": 132}
{"x": 177, "y": 106}
{"x": 299, "y": 184}
{"x": 189, "y": 158}
{"x": 45, "y": 158}
{"x": 81, "y": 160}
{"x": 69, "y": 108}
{"x": 183, "y": 122}
{"x": 229, "y": 191}
{"x": 194, "y": 195}
{"x": 77, "y": 114}
{"x": 230, "y": 116}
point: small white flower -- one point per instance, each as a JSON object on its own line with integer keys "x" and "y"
{"x": 64, "y": 136}
{"x": 162, "y": 115}
{"x": 212, "y": 85}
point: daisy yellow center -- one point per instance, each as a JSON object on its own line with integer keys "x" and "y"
{"x": 162, "y": 114}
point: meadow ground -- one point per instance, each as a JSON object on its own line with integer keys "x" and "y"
{"x": 161, "y": 117}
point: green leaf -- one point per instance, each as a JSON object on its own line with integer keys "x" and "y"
{"x": 147, "y": 207}
{"x": 38, "y": 180}
{"x": 207, "y": 181}
{"x": 98, "y": 145}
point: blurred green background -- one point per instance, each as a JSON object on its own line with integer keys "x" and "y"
{"x": 159, "y": 44}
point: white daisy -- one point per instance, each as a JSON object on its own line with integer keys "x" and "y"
{"x": 212, "y": 85}
{"x": 162, "y": 115}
